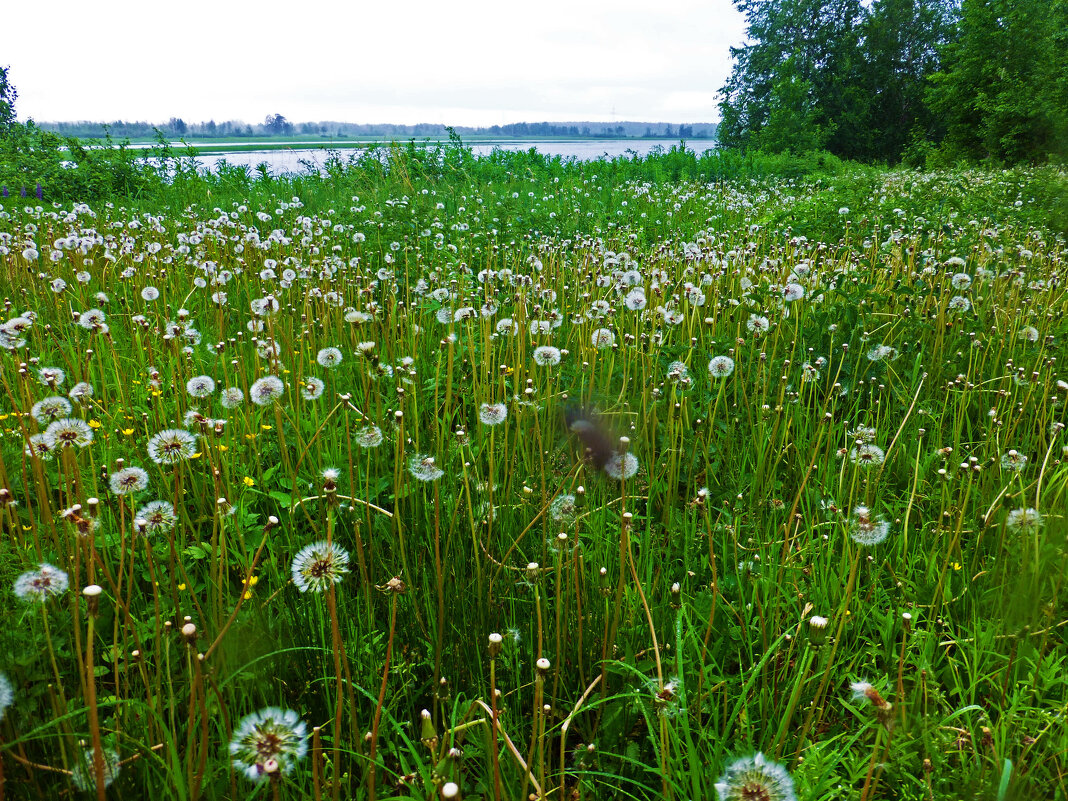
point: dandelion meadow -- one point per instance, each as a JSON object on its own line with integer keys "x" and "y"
{"x": 435, "y": 476}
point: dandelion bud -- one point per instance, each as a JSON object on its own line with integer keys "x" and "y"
{"x": 676, "y": 595}
{"x": 270, "y": 767}
{"x": 543, "y": 666}
{"x": 189, "y": 632}
{"x": 92, "y": 597}
{"x": 495, "y": 644}
{"x": 817, "y": 630}
{"x": 427, "y": 734}
{"x": 532, "y": 571}
{"x": 450, "y": 790}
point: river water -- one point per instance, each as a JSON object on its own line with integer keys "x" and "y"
{"x": 292, "y": 159}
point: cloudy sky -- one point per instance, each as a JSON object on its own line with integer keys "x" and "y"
{"x": 471, "y": 62}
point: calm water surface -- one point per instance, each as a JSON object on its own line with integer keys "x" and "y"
{"x": 290, "y": 160}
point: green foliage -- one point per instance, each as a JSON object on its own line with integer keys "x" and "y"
{"x": 67, "y": 168}
{"x": 911, "y": 80}
{"x": 8, "y": 95}
{"x": 1012, "y": 107}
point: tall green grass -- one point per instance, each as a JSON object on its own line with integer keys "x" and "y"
{"x": 674, "y": 608}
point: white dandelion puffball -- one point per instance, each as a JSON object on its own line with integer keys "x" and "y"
{"x": 171, "y": 446}
{"x": 546, "y": 356}
{"x": 265, "y": 391}
{"x": 621, "y": 466}
{"x": 319, "y": 565}
{"x": 272, "y": 740}
{"x": 721, "y": 366}
{"x": 492, "y": 414}
{"x": 423, "y": 467}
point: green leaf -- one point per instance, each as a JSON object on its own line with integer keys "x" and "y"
{"x": 283, "y": 498}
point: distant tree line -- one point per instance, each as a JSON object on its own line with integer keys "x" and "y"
{"x": 925, "y": 81}
{"x": 278, "y": 125}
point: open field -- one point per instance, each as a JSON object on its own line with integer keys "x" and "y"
{"x": 296, "y": 499}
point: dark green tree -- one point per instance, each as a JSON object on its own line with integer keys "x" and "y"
{"x": 8, "y": 95}
{"x": 801, "y": 70}
{"x": 902, "y": 40}
{"x": 835, "y": 74}
{"x": 1003, "y": 88}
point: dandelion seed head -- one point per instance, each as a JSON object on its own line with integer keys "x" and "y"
{"x": 546, "y": 356}
{"x": 272, "y": 735}
{"x": 37, "y": 586}
{"x": 492, "y": 414}
{"x": 721, "y": 366}
{"x": 1029, "y": 333}
{"x": 329, "y": 358}
{"x": 1026, "y": 521}
{"x": 867, "y": 455}
{"x": 84, "y": 773}
{"x": 265, "y": 391}
{"x": 51, "y": 376}
{"x": 200, "y": 386}
{"x": 312, "y": 388}
{"x": 91, "y": 320}
{"x": 758, "y": 324}
{"x": 635, "y": 300}
{"x": 49, "y": 409}
{"x": 369, "y": 437}
{"x": 69, "y": 432}
{"x": 171, "y": 446}
{"x": 755, "y": 779}
{"x": 621, "y": 466}
{"x": 319, "y": 565}
{"x": 232, "y": 397}
{"x": 158, "y": 516}
{"x": 128, "y": 481}
{"x": 7, "y": 694}
{"x": 603, "y": 338}
{"x": 1013, "y": 460}
{"x": 81, "y": 392}
{"x": 865, "y": 529}
{"x": 563, "y": 508}
{"x": 423, "y": 467}
{"x": 41, "y": 446}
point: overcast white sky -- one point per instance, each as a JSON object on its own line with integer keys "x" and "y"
{"x": 465, "y": 62}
